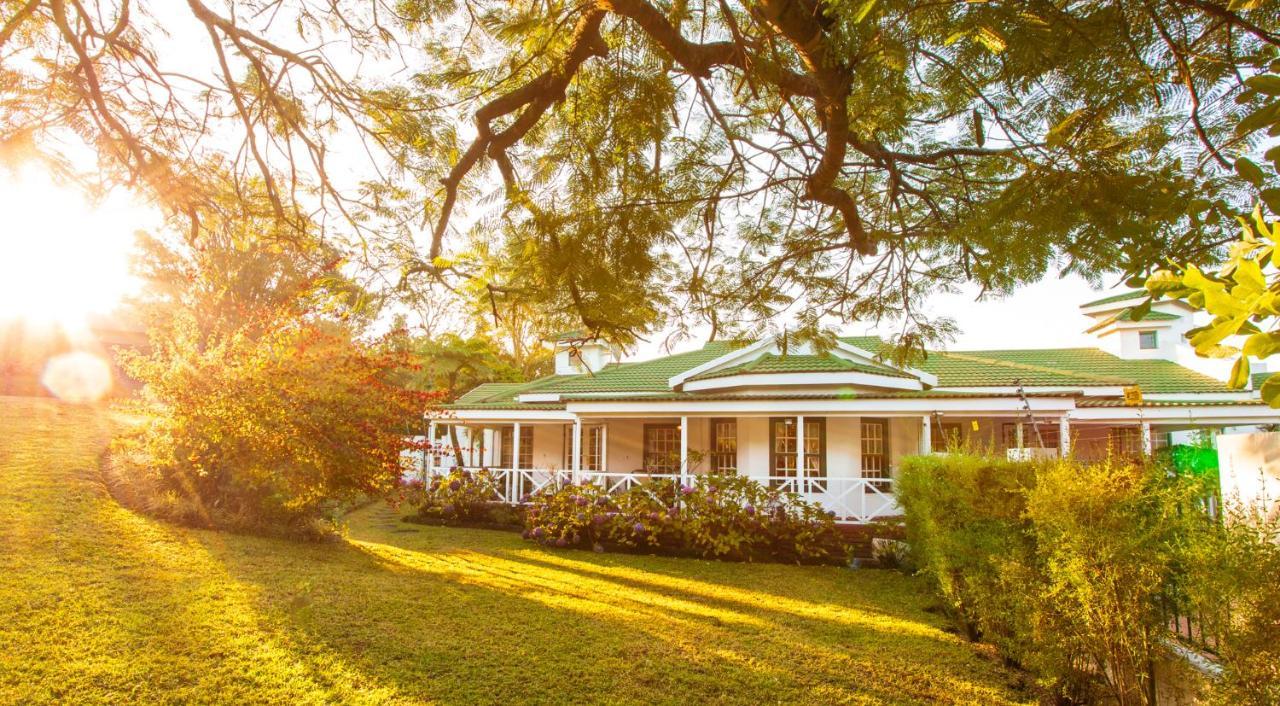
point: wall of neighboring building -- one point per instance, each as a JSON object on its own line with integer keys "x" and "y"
{"x": 1249, "y": 469}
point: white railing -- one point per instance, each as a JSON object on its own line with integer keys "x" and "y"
{"x": 852, "y": 500}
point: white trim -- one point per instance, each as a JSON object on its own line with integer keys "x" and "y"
{"x": 855, "y": 406}
{"x": 726, "y": 359}
{"x": 1209, "y": 414}
{"x": 1201, "y": 396}
{"x": 1091, "y": 310}
{"x": 557, "y": 396}
{"x": 829, "y": 379}
{"x": 927, "y": 378}
{"x": 506, "y": 415}
{"x": 539, "y": 397}
{"x": 1085, "y": 390}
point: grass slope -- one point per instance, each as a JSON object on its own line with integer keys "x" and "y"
{"x": 103, "y": 605}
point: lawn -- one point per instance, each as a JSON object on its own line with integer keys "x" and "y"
{"x": 103, "y": 605}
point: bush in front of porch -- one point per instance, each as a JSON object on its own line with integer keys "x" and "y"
{"x": 726, "y": 517}
{"x": 467, "y": 499}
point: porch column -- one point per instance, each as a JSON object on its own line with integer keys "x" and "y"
{"x": 429, "y": 460}
{"x": 800, "y": 453}
{"x": 1018, "y": 435}
{"x": 1147, "y": 446}
{"x": 684, "y": 450}
{"x": 515, "y": 447}
{"x": 926, "y": 435}
{"x": 604, "y": 447}
{"x": 576, "y": 446}
{"x": 1064, "y": 436}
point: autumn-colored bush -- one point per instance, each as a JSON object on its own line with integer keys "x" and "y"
{"x": 270, "y": 432}
{"x": 718, "y": 516}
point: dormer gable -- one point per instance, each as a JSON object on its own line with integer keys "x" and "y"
{"x": 766, "y": 365}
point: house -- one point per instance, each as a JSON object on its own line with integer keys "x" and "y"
{"x": 832, "y": 425}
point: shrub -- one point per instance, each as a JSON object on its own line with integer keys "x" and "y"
{"x": 1064, "y": 566}
{"x": 723, "y": 517}
{"x": 272, "y": 432}
{"x": 1232, "y": 587}
{"x": 465, "y": 497}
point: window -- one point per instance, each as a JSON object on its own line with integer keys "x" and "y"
{"x": 1148, "y": 340}
{"x": 724, "y": 446}
{"x": 875, "y": 451}
{"x": 661, "y": 448}
{"x": 946, "y": 436}
{"x": 507, "y": 445}
{"x": 1126, "y": 441}
{"x": 592, "y": 447}
{"x": 1049, "y": 434}
{"x": 782, "y": 447}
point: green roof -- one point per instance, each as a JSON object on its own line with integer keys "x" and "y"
{"x": 1055, "y": 367}
{"x": 1131, "y": 294}
{"x": 773, "y": 363}
{"x": 1150, "y": 316}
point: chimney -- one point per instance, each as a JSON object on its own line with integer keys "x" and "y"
{"x": 576, "y": 355}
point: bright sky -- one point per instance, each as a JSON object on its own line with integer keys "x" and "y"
{"x": 61, "y": 257}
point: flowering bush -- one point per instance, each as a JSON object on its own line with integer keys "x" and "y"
{"x": 724, "y": 517}
{"x": 462, "y": 496}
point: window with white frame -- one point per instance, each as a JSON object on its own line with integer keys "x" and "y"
{"x": 661, "y": 448}
{"x": 875, "y": 448}
{"x": 783, "y": 446}
{"x": 1048, "y": 434}
{"x": 1148, "y": 340}
{"x": 592, "y": 447}
{"x": 946, "y": 436}
{"x": 507, "y": 446}
{"x": 1126, "y": 441}
{"x": 724, "y": 446}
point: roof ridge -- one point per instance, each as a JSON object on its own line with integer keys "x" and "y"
{"x": 1037, "y": 368}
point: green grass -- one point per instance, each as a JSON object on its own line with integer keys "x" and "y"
{"x": 100, "y": 604}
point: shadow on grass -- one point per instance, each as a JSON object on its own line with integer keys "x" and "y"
{"x": 497, "y": 620}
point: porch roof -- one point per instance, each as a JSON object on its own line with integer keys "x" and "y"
{"x": 773, "y": 363}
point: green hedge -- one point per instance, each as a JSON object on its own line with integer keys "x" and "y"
{"x": 1067, "y": 567}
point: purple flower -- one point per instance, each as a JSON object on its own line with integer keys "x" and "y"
{"x": 455, "y": 485}
{"x": 526, "y": 534}
{"x": 751, "y": 509}
{"x": 655, "y": 516}
{"x": 448, "y": 509}
{"x": 602, "y": 501}
{"x": 638, "y": 528}
{"x": 562, "y": 542}
{"x": 686, "y": 489}
{"x": 597, "y": 520}
{"x": 538, "y": 532}
{"x": 582, "y": 517}
{"x": 581, "y": 501}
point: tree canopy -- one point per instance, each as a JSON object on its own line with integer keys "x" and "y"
{"x": 636, "y": 162}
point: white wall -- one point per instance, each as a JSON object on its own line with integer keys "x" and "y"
{"x": 1249, "y": 468}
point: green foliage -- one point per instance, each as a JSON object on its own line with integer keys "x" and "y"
{"x": 1065, "y": 566}
{"x": 1233, "y": 591}
{"x": 1243, "y": 295}
{"x": 718, "y": 516}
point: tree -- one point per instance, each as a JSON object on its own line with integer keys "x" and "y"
{"x": 1243, "y": 296}
{"x": 715, "y": 161}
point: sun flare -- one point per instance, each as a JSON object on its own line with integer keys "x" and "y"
{"x": 63, "y": 258}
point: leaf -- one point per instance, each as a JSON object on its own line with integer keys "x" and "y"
{"x": 1264, "y": 83}
{"x": 1271, "y": 197}
{"x": 988, "y": 38}
{"x": 1197, "y": 206}
{"x": 1249, "y": 171}
{"x": 1271, "y": 390}
{"x": 1058, "y": 134}
{"x": 979, "y": 135}
{"x": 863, "y": 10}
{"x": 1239, "y": 374}
{"x": 1262, "y": 345}
{"x": 1258, "y": 119}
{"x": 1139, "y": 312}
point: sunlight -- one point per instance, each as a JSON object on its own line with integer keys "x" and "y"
{"x": 63, "y": 258}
